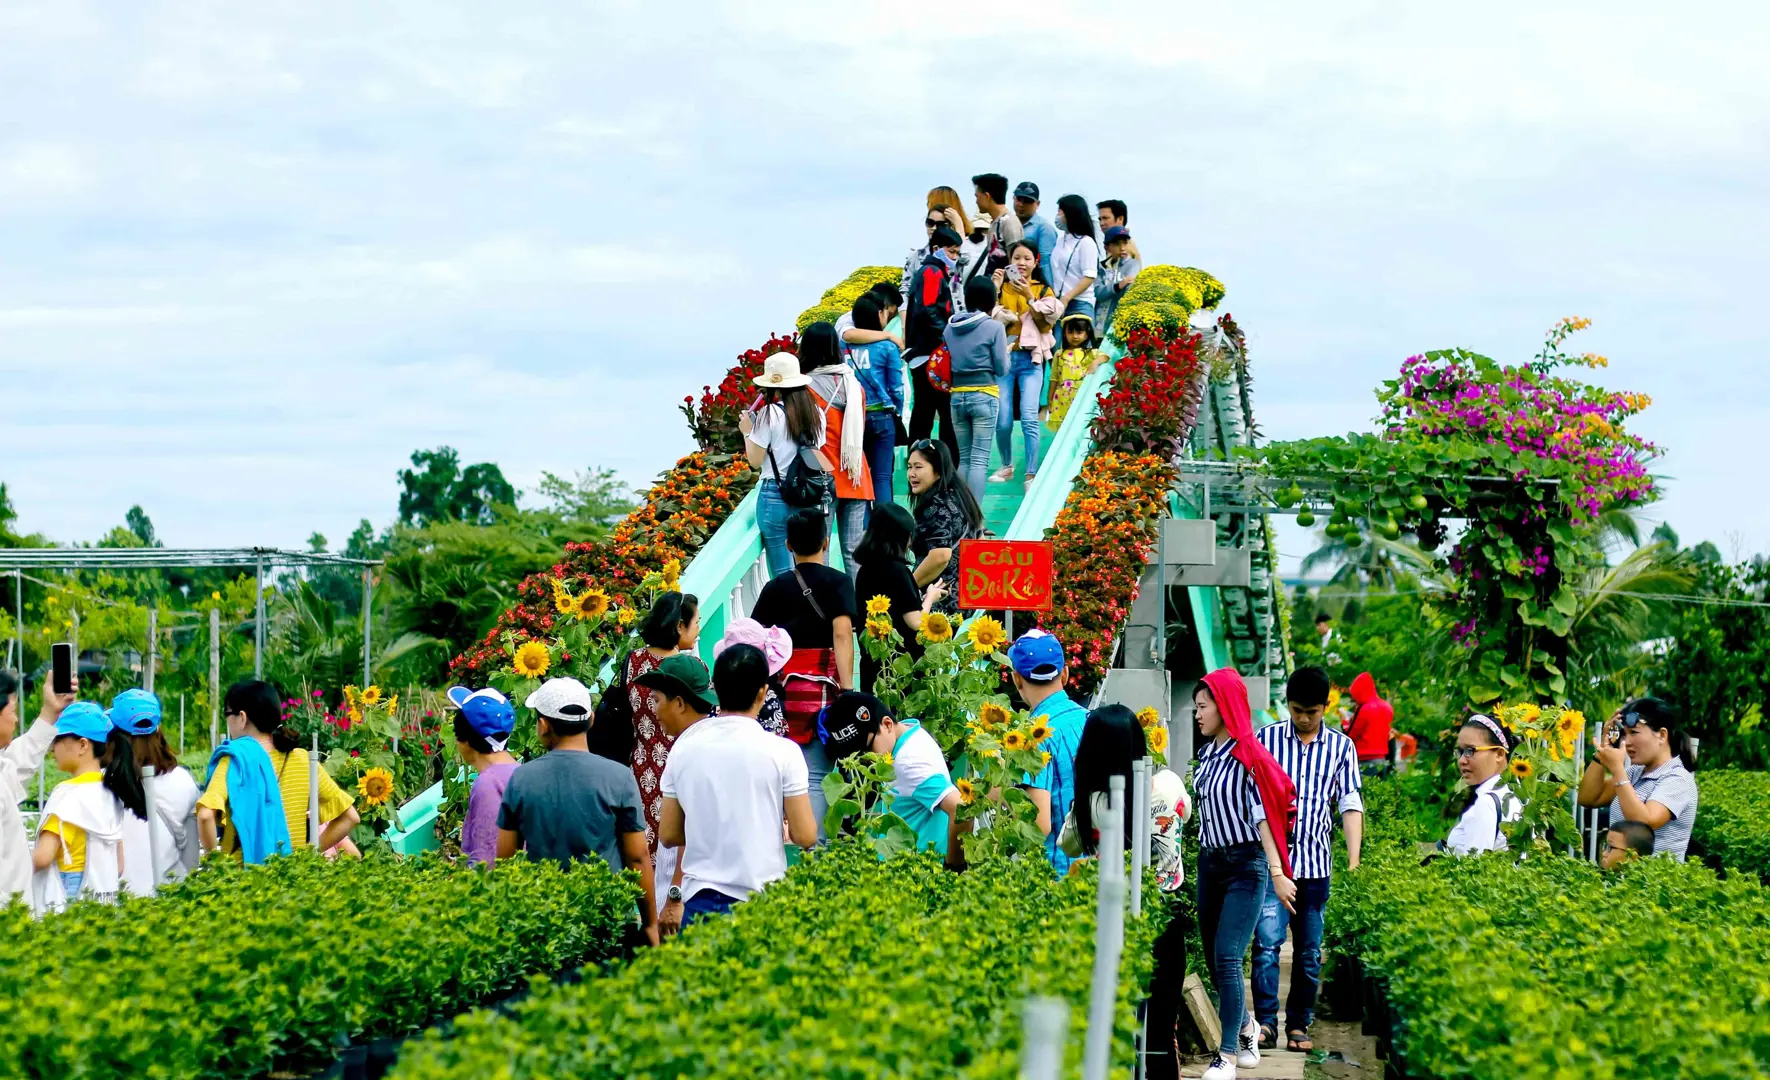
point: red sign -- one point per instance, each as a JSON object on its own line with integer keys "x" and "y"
{"x": 1005, "y": 575}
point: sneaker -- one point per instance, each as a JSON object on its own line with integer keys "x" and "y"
{"x": 1002, "y": 475}
{"x": 1220, "y": 1068}
{"x": 1247, "y": 1045}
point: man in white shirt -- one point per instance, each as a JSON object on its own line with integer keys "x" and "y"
{"x": 727, "y": 786}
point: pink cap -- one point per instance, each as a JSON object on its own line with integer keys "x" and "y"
{"x": 776, "y": 644}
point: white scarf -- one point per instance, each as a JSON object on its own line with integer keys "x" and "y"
{"x": 854, "y": 420}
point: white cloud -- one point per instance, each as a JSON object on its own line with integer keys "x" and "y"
{"x": 42, "y": 170}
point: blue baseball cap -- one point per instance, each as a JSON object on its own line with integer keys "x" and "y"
{"x": 136, "y": 712}
{"x": 1037, "y": 655}
{"x": 84, "y": 719}
{"x": 488, "y": 712}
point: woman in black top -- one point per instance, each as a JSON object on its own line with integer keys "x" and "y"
{"x": 946, "y": 513}
{"x": 884, "y": 570}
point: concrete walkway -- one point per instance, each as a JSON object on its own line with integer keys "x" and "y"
{"x": 1278, "y": 1064}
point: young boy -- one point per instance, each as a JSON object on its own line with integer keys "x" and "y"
{"x": 1116, "y": 273}
{"x": 1626, "y": 842}
{"x": 482, "y": 730}
{"x": 922, "y": 792}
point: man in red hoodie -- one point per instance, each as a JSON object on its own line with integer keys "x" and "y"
{"x": 1371, "y": 726}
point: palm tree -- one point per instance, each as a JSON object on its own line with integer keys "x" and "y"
{"x": 1623, "y": 606}
{"x": 1373, "y": 562}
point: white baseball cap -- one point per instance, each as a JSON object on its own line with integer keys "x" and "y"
{"x": 562, "y": 699}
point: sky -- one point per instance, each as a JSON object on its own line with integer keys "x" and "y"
{"x": 254, "y": 255}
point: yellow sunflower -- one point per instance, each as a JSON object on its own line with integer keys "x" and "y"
{"x": 376, "y": 786}
{"x": 987, "y": 635}
{"x": 879, "y": 605}
{"x": 351, "y": 696}
{"x": 937, "y": 627}
{"x": 562, "y": 597}
{"x": 878, "y": 629}
{"x": 1044, "y": 758}
{"x": 1147, "y": 716}
{"x": 531, "y": 659}
{"x": 626, "y": 617}
{"x": 592, "y": 605}
{"x": 371, "y": 695}
{"x": 1014, "y": 740}
{"x": 392, "y": 704}
{"x": 990, "y": 715}
{"x": 1039, "y": 732}
{"x": 966, "y": 791}
{"x": 1333, "y": 699}
{"x": 672, "y": 575}
{"x": 1522, "y": 768}
{"x": 1567, "y": 725}
{"x": 1158, "y": 739}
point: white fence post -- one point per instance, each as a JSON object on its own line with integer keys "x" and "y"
{"x": 1109, "y": 936}
{"x": 1046, "y": 1028}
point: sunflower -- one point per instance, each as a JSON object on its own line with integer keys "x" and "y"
{"x": 1039, "y": 732}
{"x": 987, "y": 635}
{"x": 966, "y": 791}
{"x": 1522, "y": 768}
{"x": 371, "y": 695}
{"x": 626, "y": 617}
{"x": 562, "y": 597}
{"x": 351, "y": 696}
{"x": 1147, "y": 717}
{"x": 990, "y": 715}
{"x": 1333, "y": 698}
{"x": 672, "y": 572}
{"x": 531, "y": 659}
{"x": 879, "y": 605}
{"x": 936, "y": 627}
{"x": 1158, "y": 739}
{"x": 1567, "y": 725}
{"x": 1044, "y": 758}
{"x": 878, "y": 629}
{"x": 376, "y": 786}
{"x": 392, "y": 704}
{"x": 1014, "y": 740}
{"x": 592, "y": 605}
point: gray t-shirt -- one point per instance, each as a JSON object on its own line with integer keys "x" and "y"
{"x": 570, "y": 806}
{"x": 1671, "y": 786}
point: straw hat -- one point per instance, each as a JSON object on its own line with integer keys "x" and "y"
{"x": 781, "y": 372}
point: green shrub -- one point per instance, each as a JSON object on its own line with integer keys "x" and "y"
{"x": 849, "y": 967}
{"x": 240, "y": 968}
{"x": 1733, "y": 820}
{"x": 1552, "y": 969}
{"x": 839, "y": 298}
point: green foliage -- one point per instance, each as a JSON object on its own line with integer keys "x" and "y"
{"x": 1551, "y": 969}
{"x": 1717, "y": 665}
{"x": 241, "y": 969}
{"x": 1733, "y": 820}
{"x": 849, "y": 967}
{"x": 439, "y": 489}
{"x": 1386, "y": 640}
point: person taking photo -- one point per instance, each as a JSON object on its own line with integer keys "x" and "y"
{"x": 1642, "y": 769}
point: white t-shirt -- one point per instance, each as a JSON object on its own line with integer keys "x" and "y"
{"x": 1075, "y": 257}
{"x": 732, "y": 779}
{"x": 1479, "y": 828}
{"x": 770, "y": 432}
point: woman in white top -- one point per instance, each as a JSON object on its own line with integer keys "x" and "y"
{"x": 1075, "y": 261}
{"x": 1483, "y": 751}
{"x": 172, "y": 793}
{"x": 1111, "y": 740}
{"x": 19, "y": 758}
{"x": 787, "y": 427}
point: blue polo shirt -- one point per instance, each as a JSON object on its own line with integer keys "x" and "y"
{"x": 1059, "y": 776}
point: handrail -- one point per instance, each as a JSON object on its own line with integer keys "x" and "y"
{"x": 1063, "y": 462}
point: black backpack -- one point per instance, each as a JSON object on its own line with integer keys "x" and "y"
{"x": 611, "y": 734}
{"x": 806, "y": 483}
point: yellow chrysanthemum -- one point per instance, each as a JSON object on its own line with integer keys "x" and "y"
{"x": 1523, "y": 769}
{"x": 990, "y": 715}
{"x": 592, "y": 605}
{"x": 376, "y": 786}
{"x": 937, "y": 627}
{"x": 626, "y": 617}
{"x": 531, "y": 659}
{"x": 878, "y": 628}
{"x": 1158, "y": 739}
{"x": 966, "y": 791}
{"x": 879, "y": 605}
{"x": 562, "y": 597}
{"x": 987, "y": 635}
{"x": 672, "y": 575}
{"x": 1039, "y": 732}
{"x": 371, "y": 695}
{"x": 1014, "y": 740}
{"x": 1148, "y": 717}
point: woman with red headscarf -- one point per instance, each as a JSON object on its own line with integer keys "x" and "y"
{"x": 1246, "y": 809}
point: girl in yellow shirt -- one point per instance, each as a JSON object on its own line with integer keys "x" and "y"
{"x": 1069, "y": 367}
{"x": 82, "y": 829}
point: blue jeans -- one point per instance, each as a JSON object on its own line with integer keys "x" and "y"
{"x": 880, "y": 446}
{"x": 1299, "y": 1009}
{"x": 817, "y": 766}
{"x": 71, "y": 880}
{"x": 974, "y": 421}
{"x": 771, "y": 521}
{"x": 1232, "y": 886}
{"x": 1021, "y": 389}
{"x": 851, "y": 522}
{"x": 706, "y": 902}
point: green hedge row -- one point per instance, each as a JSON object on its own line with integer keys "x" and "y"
{"x": 1551, "y": 969}
{"x": 849, "y": 967}
{"x": 241, "y": 970}
{"x": 1733, "y": 820}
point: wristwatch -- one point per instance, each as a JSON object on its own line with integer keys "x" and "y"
{"x": 674, "y": 894}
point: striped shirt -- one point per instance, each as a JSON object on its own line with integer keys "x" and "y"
{"x": 1059, "y": 774}
{"x": 1325, "y": 772}
{"x": 1671, "y": 786}
{"x": 1229, "y": 806}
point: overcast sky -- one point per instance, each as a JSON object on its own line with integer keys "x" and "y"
{"x": 252, "y": 255}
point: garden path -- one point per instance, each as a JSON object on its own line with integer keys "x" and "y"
{"x": 1278, "y": 1064}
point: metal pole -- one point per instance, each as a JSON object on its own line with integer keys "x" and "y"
{"x": 214, "y": 677}
{"x": 1109, "y": 936}
{"x": 368, "y": 607}
{"x": 313, "y": 792}
{"x": 258, "y": 627}
{"x": 18, "y": 625}
{"x": 153, "y": 637}
{"x": 1139, "y": 845}
{"x": 74, "y": 641}
{"x": 1045, "y": 1029}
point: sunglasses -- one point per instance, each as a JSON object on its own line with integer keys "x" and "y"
{"x": 934, "y": 223}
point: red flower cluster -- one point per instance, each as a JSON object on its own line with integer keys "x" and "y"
{"x": 1153, "y": 401}
{"x": 1100, "y": 542}
{"x": 715, "y": 422}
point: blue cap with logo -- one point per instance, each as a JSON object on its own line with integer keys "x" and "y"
{"x": 488, "y": 712}
{"x": 1037, "y": 655}
{"x": 84, "y": 719}
{"x": 136, "y": 712}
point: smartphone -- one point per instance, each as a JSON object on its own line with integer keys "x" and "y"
{"x": 61, "y": 667}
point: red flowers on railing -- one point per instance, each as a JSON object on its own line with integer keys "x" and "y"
{"x": 1153, "y": 400}
{"x": 714, "y": 421}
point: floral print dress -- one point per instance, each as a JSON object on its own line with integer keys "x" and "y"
{"x": 651, "y": 743}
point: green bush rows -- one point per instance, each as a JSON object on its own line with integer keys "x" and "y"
{"x": 241, "y": 968}
{"x": 1553, "y": 970}
{"x": 1733, "y": 820}
{"x": 849, "y": 967}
